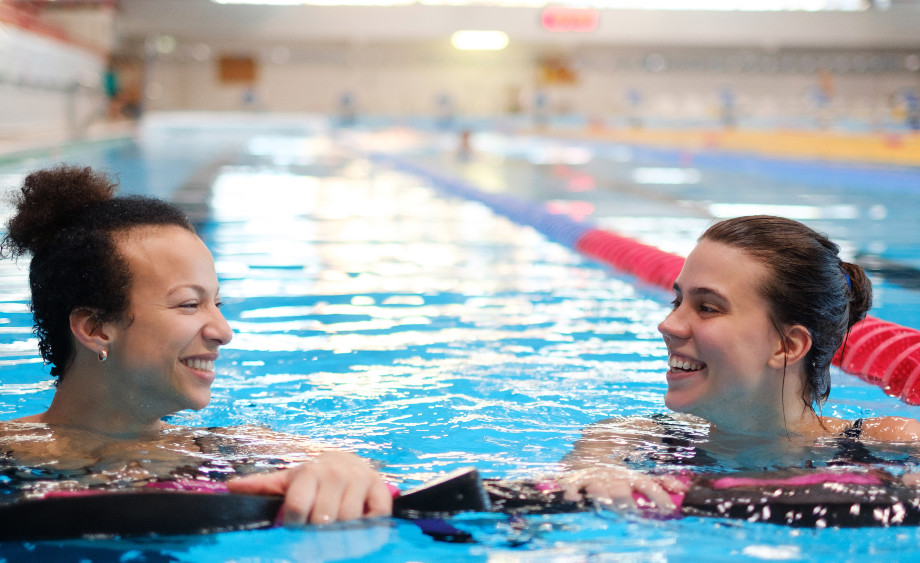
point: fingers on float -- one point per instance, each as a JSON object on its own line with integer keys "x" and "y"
{"x": 301, "y": 499}
{"x": 351, "y": 504}
{"x": 654, "y": 492}
{"x": 615, "y": 493}
{"x": 379, "y": 500}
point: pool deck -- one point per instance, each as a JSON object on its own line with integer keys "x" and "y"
{"x": 14, "y": 147}
{"x": 875, "y": 148}
{"x": 881, "y": 148}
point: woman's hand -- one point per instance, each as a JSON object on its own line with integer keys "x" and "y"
{"x": 615, "y": 486}
{"x": 335, "y": 486}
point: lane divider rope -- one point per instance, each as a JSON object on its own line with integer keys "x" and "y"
{"x": 877, "y": 351}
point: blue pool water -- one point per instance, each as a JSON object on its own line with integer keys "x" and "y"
{"x": 426, "y": 332}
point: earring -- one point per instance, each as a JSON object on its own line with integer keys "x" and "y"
{"x": 103, "y": 355}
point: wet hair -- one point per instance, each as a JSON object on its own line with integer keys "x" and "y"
{"x": 68, "y": 218}
{"x": 808, "y": 285}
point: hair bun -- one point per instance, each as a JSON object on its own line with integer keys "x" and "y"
{"x": 860, "y": 292}
{"x": 50, "y": 201}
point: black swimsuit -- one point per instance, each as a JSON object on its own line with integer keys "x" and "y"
{"x": 855, "y": 429}
{"x": 682, "y": 447}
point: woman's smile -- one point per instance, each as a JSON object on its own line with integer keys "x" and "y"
{"x": 680, "y": 363}
{"x": 202, "y": 368}
{"x": 683, "y": 370}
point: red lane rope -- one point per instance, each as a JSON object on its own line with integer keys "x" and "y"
{"x": 879, "y": 352}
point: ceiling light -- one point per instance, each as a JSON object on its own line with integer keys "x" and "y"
{"x": 479, "y": 40}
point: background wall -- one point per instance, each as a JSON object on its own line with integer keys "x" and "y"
{"x": 205, "y": 21}
{"x": 674, "y": 68}
{"x": 755, "y": 68}
{"x": 49, "y": 82}
{"x": 667, "y": 86}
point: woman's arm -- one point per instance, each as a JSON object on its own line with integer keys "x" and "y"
{"x": 891, "y": 429}
{"x": 610, "y": 442}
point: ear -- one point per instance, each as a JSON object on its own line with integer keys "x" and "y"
{"x": 798, "y": 343}
{"x": 89, "y": 330}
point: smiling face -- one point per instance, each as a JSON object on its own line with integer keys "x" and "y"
{"x": 166, "y": 346}
{"x": 722, "y": 345}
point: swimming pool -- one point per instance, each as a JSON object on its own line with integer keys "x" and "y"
{"x": 428, "y": 333}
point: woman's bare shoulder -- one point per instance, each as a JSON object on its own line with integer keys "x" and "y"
{"x": 833, "y": 426}
{"x": 614, "y": 440}
{"x": 891, "y": 429}
{"x": 35, "y": 443}
{"x": 27, "y": 419}
{"x": 619, "y": 422}
{"x": 880, "y": 428}
{"x": 257, "y": 441}
{"x": 23, "y": 427}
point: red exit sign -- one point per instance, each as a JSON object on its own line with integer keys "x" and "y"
{"x": 561, "y": 18}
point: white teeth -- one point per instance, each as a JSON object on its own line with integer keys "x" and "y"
{"x": 203, "y": 365}
{"x": 685, "y": 365}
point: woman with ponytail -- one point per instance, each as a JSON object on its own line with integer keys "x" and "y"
{"x": 761, "y": 306}
{"x": 126, "y": 307}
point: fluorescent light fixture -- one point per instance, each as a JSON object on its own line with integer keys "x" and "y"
{"x": 479, "y": 40}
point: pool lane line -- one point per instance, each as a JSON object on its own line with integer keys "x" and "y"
{"x": 42, "y": 148}
{"x": 879, "y": 352}
{"x": 193, "y": 197}
{"x": 824, "y": 174}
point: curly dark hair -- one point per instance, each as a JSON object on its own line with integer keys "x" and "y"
{"x": 809, "y": 286}
{"x": 67, "y": 218}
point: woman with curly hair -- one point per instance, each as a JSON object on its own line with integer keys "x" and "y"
{"x": 126, "y": 307}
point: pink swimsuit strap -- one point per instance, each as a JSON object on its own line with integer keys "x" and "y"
{"x": 190, "y": 485}
{"x": 187, "y": 485}
{"x": 797, "y": 480}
